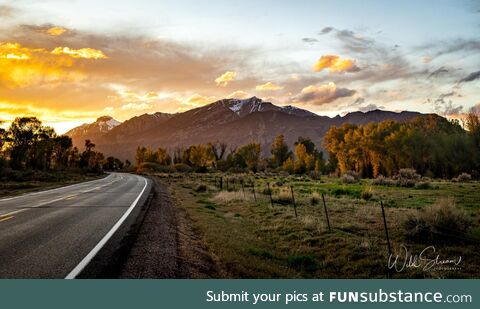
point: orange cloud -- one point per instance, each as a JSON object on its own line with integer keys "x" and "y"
{"x": 269, "y": 87}
{"x": 85, "y": 53}
{"x": 197, "y": 100}
{"x": 239, "y": 94}
{"x": 55, "y": 31}
{"x": 22, "y": 66}
{"x": 335, "y": 64}
{"x": 322, "y": 94}
{"x": 226, "y": 78}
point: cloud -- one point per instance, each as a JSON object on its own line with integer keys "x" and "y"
{"x": 445, "y": 106}
{"x": 239, "y": 94}
{"x": 438, "y": 72}
{"x": 309, "y": 40}
{"x": 440, "y": 48}
{"x": 322, "y": 94}
{"x": 426, "y": 59}
{"x": 109, "y": 109}
{"x": 471, "y": 77}
{"x": 21, "y": 66}
{"x": 136, "y": 107}
{"x": 335, "y": 64}
{"x": 84, "y": 53}
{"x": 269, "y": 87}
{"x": 326, "y": 30}
{"x": 369, "y": 108}
{"x": 56, "y": 31}
{"x": 47, "y": 29}
{"x": 197, "y": 100}
{"x": 6, "y": 11}
{"x": 225, "y": 78}
{"x": 475, "y": 109}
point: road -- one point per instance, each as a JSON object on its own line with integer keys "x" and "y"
{"x": 54, "y": 234}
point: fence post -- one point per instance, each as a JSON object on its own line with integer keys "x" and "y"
{"x": 270, "y": 193}
{"x": 243, "y": 188}
{"x": 389, "y": 275}
{"x": 254, "y": 194}
{"x": 386, "y": 228}
{"x": 221, "y": 183}
{"x": 326, "y": 213}
{"x": 293, "y": 202}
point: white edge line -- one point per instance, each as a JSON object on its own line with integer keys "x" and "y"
{"x": 87, "y": 259}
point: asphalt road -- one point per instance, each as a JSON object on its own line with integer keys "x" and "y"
{"x": 49, "y": 234}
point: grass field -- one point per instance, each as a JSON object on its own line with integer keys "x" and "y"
{"x": 250, "y": 238}
{"x": 25, "y": 182}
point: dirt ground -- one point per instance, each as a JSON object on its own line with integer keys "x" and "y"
{"x": 167, "y": 246}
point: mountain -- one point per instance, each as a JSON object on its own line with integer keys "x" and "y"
{"x": 93, "y": 130}
{"x": 233, "y": 121}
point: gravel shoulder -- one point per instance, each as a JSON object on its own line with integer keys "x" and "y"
{"x": 166, "y": 245}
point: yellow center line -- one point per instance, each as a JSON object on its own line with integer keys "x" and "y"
{"x": 6, "y": 218}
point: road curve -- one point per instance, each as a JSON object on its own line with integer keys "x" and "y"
{"x": 54, "y": 233}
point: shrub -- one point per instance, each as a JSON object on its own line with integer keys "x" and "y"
{"x": 367, "y": 194}
{"x": 182, "y": 168}
{"x": 440, "y": 222}
{"x": 424, "y": 185}
{"x": 148, "y": 167}
{"x": 284, "y": 197}
{"x": 315, "y": 198}
{"x": 383, "y": 181}
{"x": 406, "y": 177}
{"x": 464, "y": 177}
{"x": 201, "y": 188}
{"x": 303, "y": 262}
{"x": 350, "y": 177}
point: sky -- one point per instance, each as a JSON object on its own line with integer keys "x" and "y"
{"x": 70, "y": 62}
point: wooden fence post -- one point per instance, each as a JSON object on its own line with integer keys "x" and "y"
{"x": 221, "y": 183}
{"x": 326, "y": 213}
{"x": 293, "y": 202}
{"x": 243, "y": 188}
{"x": 389, "y": 275}
{"x": 270, "y": 193}
{"x": 386, "y": 228}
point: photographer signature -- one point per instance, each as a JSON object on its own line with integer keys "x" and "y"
{"x": 427, "y": 260}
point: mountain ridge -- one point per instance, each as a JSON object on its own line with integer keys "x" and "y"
{"x": 233, "y": 121}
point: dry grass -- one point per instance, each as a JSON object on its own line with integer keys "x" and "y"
{"x": 255, "y": 240}
{"x": 226, "y": 197}
{"x": 441, "y": 221}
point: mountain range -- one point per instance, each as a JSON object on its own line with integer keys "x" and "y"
{"x": 232, "y": 121}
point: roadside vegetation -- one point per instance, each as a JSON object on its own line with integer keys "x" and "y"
{"x": 253, "y": 236}
{"x": 264, "y": 216}
{"x": 33, "y": 156}
{"x": 393, "y": 152}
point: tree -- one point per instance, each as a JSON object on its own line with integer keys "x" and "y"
{"x": 289, "y": 166}
{"x": 163, "y": 157}
{"x": 23, "y": 134}
{"x": 279, "y": 150}
{"x": 140, "y": 155}
{"x": 250, "y": 153}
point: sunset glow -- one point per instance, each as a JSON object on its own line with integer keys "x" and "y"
{"x": 70, "y": 64}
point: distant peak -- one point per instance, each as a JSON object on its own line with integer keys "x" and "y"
{"x": 105, "y": 119}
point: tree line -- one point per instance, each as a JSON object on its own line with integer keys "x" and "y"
{"x": 305, "y": 158}
{"x": 432, "y": 145}
{"x": 29, "y": 145}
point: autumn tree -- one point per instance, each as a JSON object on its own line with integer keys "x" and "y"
{"x": 280, "y": 151}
